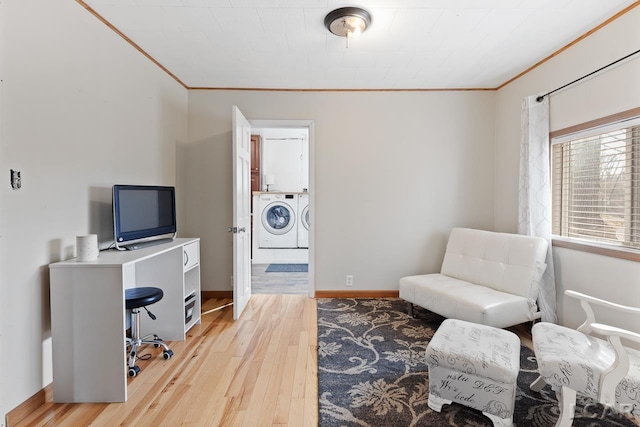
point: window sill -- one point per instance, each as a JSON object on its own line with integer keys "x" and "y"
{"x": 595, "y": 248}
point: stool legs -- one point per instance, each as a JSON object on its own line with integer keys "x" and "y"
{"x": 136, "y": 341}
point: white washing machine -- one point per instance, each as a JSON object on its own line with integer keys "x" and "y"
{"x": 303, "y": 220}
{"x": 278, "y": 221}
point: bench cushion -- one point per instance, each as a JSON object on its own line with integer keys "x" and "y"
{"x": 458, "y": 299}
{"x": 505, "y": 262}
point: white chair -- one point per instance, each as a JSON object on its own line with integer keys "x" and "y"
{"x": 572, "y": 361}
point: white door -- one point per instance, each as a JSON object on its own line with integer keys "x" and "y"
{"x": 241, "y": 212}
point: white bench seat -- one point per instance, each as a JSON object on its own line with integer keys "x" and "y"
{"x": 473, "y": 303}
{"x": 486, "y": 277}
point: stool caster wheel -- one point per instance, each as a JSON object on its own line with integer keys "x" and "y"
{"x": 134, "y": 371}
{"x": 157, "y": 340}
{"x": 167, "y": 354}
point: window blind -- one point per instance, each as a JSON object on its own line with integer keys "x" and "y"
{"x": 596, "y": 185}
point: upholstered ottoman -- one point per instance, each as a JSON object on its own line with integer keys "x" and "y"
{"x": 476, "y": 366}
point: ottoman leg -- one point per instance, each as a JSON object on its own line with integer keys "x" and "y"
{"x": 537, "y": 385}
{"x": 436, "y": 402}
{"x": 499, "y": 422}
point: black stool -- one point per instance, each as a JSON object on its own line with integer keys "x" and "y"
{"x": 136, "y": 298}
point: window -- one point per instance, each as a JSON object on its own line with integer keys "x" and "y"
{"x": 596, "y": 184}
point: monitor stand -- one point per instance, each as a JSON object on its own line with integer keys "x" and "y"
{"x": 150, "y": 243}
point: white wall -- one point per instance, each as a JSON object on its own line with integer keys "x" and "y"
{"x": 81, "y": 110}
{"x": 284, "y": 154}
{"x": 394, "y": 172}
{"x": 613, "y": 91}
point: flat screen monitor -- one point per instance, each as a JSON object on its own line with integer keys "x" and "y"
{"x": 143, "y": 213}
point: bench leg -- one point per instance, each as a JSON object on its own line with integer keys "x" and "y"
{"x": 499, "y": 422}
{"x": 410, "y": 309}
{"x": 567, "y": 402}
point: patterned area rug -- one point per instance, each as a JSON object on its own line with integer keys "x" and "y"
{"x": 371, "y": 372}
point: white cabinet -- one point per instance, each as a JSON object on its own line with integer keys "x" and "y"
{"x": 88, "y": 317}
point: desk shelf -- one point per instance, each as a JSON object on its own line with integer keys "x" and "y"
{"x": 88, "y": 317}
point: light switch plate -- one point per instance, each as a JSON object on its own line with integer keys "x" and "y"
{"x": 16, "y": 179}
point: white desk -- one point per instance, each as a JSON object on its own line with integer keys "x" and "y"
{"x": 88, "y": 316}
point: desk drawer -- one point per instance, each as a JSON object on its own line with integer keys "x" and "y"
{"x": 191, "y": 255}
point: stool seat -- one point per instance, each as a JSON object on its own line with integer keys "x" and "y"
{"x": 140, "y": 297}
{"x": 135, "y": 299}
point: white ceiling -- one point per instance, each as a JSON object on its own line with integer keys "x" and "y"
{"x": 411, "y": 44}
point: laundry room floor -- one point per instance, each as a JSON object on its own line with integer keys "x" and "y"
{"x": 277, "y": 283}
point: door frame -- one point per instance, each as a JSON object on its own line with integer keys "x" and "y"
{"x": 309, "y": 124}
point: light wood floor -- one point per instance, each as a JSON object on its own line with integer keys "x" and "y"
{"x": 261, "y": 370}
{"x": 277, "y": 283}
{"x": 258, "y": 371}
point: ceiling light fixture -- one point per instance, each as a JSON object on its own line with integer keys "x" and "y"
{"x": 347, "y": 22}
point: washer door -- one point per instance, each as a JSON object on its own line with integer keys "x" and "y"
{"x": 304, "y": 217}
{"x": 278, "y": 218}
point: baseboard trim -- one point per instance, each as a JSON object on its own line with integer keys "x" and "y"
{"x": 357, "y": 294}
{"x": 318, "y": 294}
{"x": 27, "y": 407}
{"x": 216, "y": 294}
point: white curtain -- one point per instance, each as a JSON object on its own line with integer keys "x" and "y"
{"x": 534, "y": 208}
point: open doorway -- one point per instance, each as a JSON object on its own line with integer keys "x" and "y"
{"x": 282, "y": 182}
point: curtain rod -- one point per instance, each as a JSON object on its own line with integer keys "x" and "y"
{"x": 541, "y": 97}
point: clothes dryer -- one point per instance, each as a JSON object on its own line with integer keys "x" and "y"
{"x": 303, "y": 220}
{"x": 278, "y": 221}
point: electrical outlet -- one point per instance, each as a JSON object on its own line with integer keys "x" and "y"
{"x": 349, "y": 280}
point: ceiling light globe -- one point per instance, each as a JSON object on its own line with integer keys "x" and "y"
{"x": 347, "y": 21}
